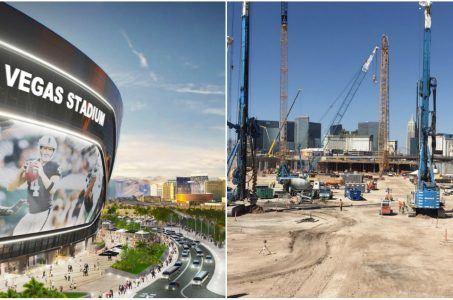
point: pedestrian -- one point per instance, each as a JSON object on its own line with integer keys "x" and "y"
{"x": 341, "y": 204}
{"x": 265, "y": 249}
{"x": 402, "y": 208}
{"x": 61, "y": 289}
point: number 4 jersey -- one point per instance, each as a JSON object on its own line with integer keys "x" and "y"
{"x": 39, "y": 198}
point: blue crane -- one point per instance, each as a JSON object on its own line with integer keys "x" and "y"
{"x": 354, "y": 87}
{"x": 246, "y": 129}
{"x": 427, "y": 194}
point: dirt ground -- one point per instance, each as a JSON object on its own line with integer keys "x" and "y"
{"x": 350, "y": 253}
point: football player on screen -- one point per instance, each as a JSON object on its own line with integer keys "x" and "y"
{"x": 41, "y": 176}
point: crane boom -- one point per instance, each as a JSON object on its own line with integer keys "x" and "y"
{"x": 356, "y": 83}
{"x": 283, "y": 79}
{"x": 427, "y": 195}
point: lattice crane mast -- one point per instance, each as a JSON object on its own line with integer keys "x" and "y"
{"x": 384, "y": 107}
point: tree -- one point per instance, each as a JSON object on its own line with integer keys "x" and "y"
{"x": 10, "y": 293}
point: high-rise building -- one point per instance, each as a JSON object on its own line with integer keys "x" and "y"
{"x": 183, "y": 185}
{"x": 268, "y": 133}
{"x": 314, "y": 135}
{"x": 335, "y": 129}
{"x": 301, "y": 131}
{"x": 169, "y": 190}
{"x": 371, "y": 129}
{"x": 197, "y": 184}
{"x": 216, "y": 188}
{"x": 411, "y": 140}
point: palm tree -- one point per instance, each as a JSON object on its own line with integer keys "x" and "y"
{"x": 33, "y": 289}
{"x": 10, "y": 293}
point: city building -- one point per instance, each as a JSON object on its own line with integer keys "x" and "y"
{"x": 335, "y": 129}
{"x": 197, "y": 184}
{"x": 268, "y": 133}
{"x": 348, "y": 143}
{"x": 314, "y": 135}
{"x": 369, "y": 129}
{"x": 169, "y": 191}
{"x": 217, "y": 188}
{"x": 392, "y": 147}
{"x": 183, "y": 185}
{"x": 87, "y": 135}
{"x": 444, "y": 144}
{"x": 411, "y": 139}
{"x": 193, "y": 199}
{"x": 301, "y": 131}
{"x": 149, "y": 199}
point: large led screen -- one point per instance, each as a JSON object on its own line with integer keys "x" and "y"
{"x": 48, "y": 179}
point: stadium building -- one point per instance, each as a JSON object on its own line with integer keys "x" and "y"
{"x": 60, "y": 117}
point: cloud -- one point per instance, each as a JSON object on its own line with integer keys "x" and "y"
{"x": 136, "y": 106}
{"x": 192, "y": 88}
{"x": 191, "y": 65}
{"x": 134, "y": 78}
{"x": 214, "y": 111}
{"x": 149, "y": 155}
{"x": 141, "y": 57}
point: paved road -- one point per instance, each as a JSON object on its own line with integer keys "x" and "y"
{"x": 184, "y": 277}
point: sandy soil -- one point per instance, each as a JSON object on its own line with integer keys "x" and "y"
{"x": 350, "y": 253}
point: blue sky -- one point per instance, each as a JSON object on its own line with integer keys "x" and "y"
{"x": 167, "y": 60}
{"x": 328, "y": 42}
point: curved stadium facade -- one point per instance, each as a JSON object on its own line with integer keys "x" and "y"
{"x": 60, "y": 117}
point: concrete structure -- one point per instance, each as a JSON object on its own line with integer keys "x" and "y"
{"x": 193, "y": 199}
{"x": 411, "y": 139}
{"x": 169, "y": 191}
{"x": 348, "y": 143}
{"x": 217, "y": 188}
{"x": 392, "y": 147}
{"x": 370, "y": 129}
{"x": 444, "y": 144}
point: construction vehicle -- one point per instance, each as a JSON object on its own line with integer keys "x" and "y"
{"x": 325, "y": 193}
{"x": 247, "y": 131}
{"x": 371, "y": 185}
{"x": 334, "y": 182}
{"x": 385, "y": 209}
{"x": 426, "y": 197}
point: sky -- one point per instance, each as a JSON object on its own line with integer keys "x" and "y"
{"x": 327, "y": 44}
{"x": 168, "y": 61}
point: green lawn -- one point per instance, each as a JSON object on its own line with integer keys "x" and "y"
{"x": 136, "y": 260}
{"x": 75, "y": 294}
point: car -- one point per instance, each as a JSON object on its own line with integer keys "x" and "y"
{"x": 193, "y": 244}
{"x": 178, "y": 263}
{"x": 108, "y": 253}
{"x": 197, "y": 242}
{"x": 186, "y": 247}
{"x": 185, "y": 254}
{"x": 173, "y": 285}
{"x": 208, "y": 258}
{"x": 196, "y": 263}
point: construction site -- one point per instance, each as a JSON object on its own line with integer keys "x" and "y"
{"x": 337, "y": 213}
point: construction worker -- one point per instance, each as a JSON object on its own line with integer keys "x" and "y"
{"x": 265, "y": 249}
{"x": 341, "y": 204}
